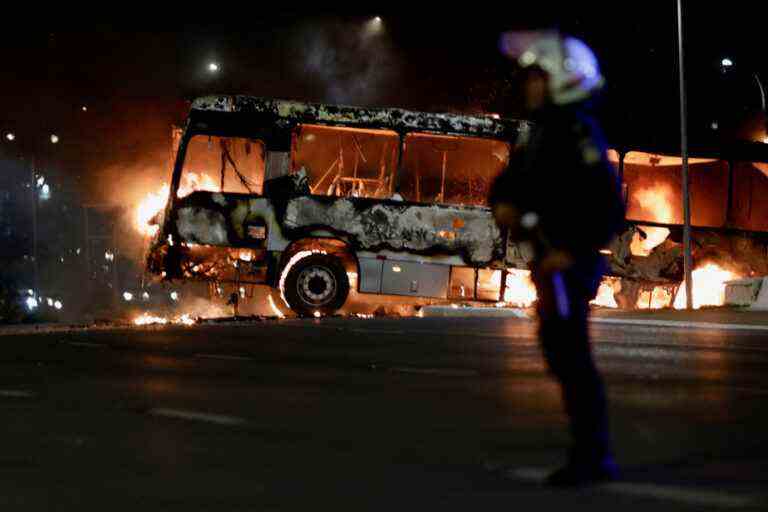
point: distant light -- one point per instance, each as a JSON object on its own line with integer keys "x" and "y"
{"x": 109, "y": 256}
{"x": 765, "y": 140}
{"x": 31, "y": 303}
{"x": 45, "y": 192}
{"x": 496, "y": 116}
{"x": 145, "y": 296}
{"x": 54, "y": 138}
{"x": 58, "y": 304}
{"x": 396, "y": 269}
{"x": 40, "y": 181}
{"x": 714, "y": 125}
{"x": 213, "y": 67}
{"x": 84, "y": 108}
{"x": 128, "y": 296}
{"x": 10, "y": 136}
{"x": 174, "y": 296}
{"x": 726, "y": 62}
{"x": 50, "y": 301}
{"x": 374, "y": 26}
{"x": 318, "y": 314}
{"x": 31, "y": 292}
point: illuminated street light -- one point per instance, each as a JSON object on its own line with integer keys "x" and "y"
{"x": 213, "y": 67}
{"x": 54, "y": 138}
{"x": 58, "y": 304}
{"x": 10, "y": 136}
{"x": 374, "y": 26}
{"x": 128, "y": 296}
{"x": 31, "y": 303}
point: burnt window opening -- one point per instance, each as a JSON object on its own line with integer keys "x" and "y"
{"x": 654, "y": 189}
{"x": 345, "y": 161}
{"x": 449, "y": 169}
{"x": 223, "y": 164}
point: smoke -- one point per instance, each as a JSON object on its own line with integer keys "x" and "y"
{"x": 346, "y": 61}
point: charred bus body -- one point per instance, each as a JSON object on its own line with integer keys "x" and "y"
{"x": 315, "y": 199}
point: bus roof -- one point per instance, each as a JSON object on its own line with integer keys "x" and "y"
{"x": 396, "y": 119}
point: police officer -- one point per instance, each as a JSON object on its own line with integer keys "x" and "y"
{"x": 560, "y": 195}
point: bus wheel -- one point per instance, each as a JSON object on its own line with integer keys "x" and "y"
{"x": 316, "y": 285}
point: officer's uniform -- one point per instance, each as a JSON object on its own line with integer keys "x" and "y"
{"x": 562, "y": 175}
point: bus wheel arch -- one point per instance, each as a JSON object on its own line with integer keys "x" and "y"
{"x": 316, "y": 276}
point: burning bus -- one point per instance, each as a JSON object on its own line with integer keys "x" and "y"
{"x": 317, "y": 200}
{"x": 313, "y": 200}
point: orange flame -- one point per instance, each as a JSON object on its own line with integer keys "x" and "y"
{"x": 708, "y": 287}
{"x": 655, "y": 202}
{"x": 154, "y": 202}
{"x": 606, "y": 294}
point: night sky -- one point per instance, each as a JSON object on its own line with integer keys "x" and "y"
{"x": 135, "y": 80}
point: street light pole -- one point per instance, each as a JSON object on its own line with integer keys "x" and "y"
{"x": 762, "y": 101}
{"x": 33, "y": 189}
{"x": 687, "y": 259}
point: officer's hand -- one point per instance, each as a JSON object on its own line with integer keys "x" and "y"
{"x": 555, "y": 261}
{"x": 506, "y": 215}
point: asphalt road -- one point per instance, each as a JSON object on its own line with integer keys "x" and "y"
{"x": 377, "y": 414}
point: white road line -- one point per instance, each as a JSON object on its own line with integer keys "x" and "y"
{"x": 219, "y": 419}
{"x": 86, "y": 344}
{"x": 439, "y": 372}
{"x": 16, "y": 393}
{"x": 223, "y": 357}
{"x": 687, "y": 495}
{"x": 679, "y": 323}
{"x": 376, "y": 331}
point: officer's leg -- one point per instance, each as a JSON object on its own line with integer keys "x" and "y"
{"x": 565, "y": 343}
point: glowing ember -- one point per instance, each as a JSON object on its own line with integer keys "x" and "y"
{"x": 154, "y": 202}
{"x": 149, "y": 319}
{"x": 657, "y": 204}
{"x": 605, "y": 294}
{"x": 708, "y": 287}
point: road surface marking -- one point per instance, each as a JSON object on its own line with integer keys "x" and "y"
{"x": 679, "y": 324}
{"x": 85, "y": 344}
{"x": 376, "y": 331}
{"x": 439, "y": 372}
{"x": 16, "y": 393}
{"x": 219, "y": 419}
{"x": 224, "y": 357}
{"x": 687, "y": 495}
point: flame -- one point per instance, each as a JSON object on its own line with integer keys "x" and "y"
{"x": 149, "y": 319}
{"x": 154, "y": 202}
{"x": 605, "y": 294}
{"x": 657, "y": 298}
{"x": 520, "y": 291}
{"x": 708, "y": 286}
{"x": 656, "y": 202}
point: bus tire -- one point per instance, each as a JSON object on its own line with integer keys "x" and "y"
{"x": 317, "y": 284}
